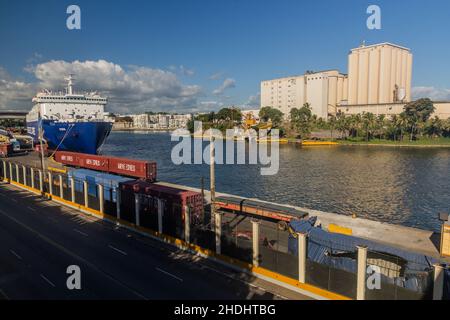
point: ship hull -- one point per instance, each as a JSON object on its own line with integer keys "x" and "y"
{"x": 84, "y": 137}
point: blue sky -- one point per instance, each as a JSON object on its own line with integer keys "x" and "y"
{"x": 178, "y": 45}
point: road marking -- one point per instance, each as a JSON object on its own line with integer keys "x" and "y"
{"x": 118, "y": 250}
{"x": 48, "y": 281}
{"x": 80, "y": 232}
{"x": 169, "y": 274}
{"x": 30, "y": 208}
{"x": 14, "y": 253}
{"x": 74, "y": 255}
{"x": 14, "y": 200}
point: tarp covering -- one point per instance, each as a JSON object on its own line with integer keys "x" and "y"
{"x": 110, "y": 182}
{"x": 340, "y": 251}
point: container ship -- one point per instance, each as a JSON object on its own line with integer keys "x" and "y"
{"x": 70, "y": 121}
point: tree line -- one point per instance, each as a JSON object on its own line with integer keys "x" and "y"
{"x": 415, "y": 122}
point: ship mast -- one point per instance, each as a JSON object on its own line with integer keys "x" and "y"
{"x": 69, "y": 80}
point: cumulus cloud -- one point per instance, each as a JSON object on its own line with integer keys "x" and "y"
{"x": 227, "y": 84}
{"x": 436, "y": 94}
{"x": 14, "y": 94}
{"x": 216, "y": 76}
{"x": 131, "y": 90}
{"x": 182, "y": 70}
{"x": 252, "y": 102}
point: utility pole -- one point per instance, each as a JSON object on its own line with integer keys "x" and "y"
{"x": 212, "y": 173}
{"x": 41, "y": 137}
{"x": 214, "y": 215}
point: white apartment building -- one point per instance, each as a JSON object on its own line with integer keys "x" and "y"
{"x": 160, "y": 121}
{"x": 322, "y": 90}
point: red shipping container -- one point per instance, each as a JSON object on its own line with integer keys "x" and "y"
{"x": 127, "y": 167}
{"x": 93, "y": 162}
{"x": 175, "y": 199}
{"x": 135, "y": 168}
{"x": 70, "y": 158}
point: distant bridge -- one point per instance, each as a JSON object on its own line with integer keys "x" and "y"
{"x": 13, "y": 114}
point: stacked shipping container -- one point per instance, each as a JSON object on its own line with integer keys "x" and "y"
{"x": 173, "y": 200}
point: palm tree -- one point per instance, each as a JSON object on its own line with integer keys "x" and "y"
{"x": 402, "y": 124}
{"x": 332, "y": 124}
{"x": 369, "y": 123}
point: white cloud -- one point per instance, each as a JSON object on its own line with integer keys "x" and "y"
{"x": 14, "y": 94}
{"x": 435, "y": 94}
{"x": 134, "y": 89}
{"x": 182, "y": 70}
{"x": 253, "y": 102}
{"x": 216, "y": 76}
{"x": 227, "y": 84}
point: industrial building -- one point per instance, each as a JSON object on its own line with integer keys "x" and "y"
{"x": 379, "y": 81}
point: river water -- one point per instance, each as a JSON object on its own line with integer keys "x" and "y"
{"x": 407, "y": 186}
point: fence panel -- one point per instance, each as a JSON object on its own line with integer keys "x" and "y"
{"x": 201, "y": 234}
{"x": 273, "y": 250}
{"x": 111, "y": 202}
{"x": 237, "y": 237}
{"x": 55, "y": 185}
{"x": 389, "y": 278}
{"x": 79, "y": 191}
{"x": 28, "y": 177}
{"x": 172, "y": 219}
{"x": 67, "y": 192}
{"x": 93, "y": 196}
{"x": 148, "y": 212}
{"x": 127, "y": 207}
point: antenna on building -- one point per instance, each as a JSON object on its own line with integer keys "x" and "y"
{"x": 69, "y": 80}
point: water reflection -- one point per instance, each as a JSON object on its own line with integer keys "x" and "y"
{"x": 398, "y": 185}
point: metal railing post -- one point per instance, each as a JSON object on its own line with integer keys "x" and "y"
{"x": 438, "y": 287}
{"x": 218, "y": 232}
{"x": 5, "y": 170}
{"x": 32, "y": 177}
{"x": 302, "y": 256}
{"x": 72, "y": 189}
{"x": 160, "y": 215}
{"x": 118, "y": 202}
{"x": 24, "y": 170}
{"x": 101, "y": 198}
{"x": 187, "y": 224}
{"x": 50, "y": 183}
{"x": 61, "y": 187}
{"x": 17, "y": 174}
{"x": 255, "y": 238}
{"x": 41, "y": 181}
{"x": 361, "y": 275}
{"x": 10, "y": 172}
{"x": 137, "y": 209}
{"x": 86, "y": 194}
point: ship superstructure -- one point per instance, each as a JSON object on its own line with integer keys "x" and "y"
{"x": 70, "y": 121}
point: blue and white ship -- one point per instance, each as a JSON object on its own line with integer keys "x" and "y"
{"x": 70, "y": 121}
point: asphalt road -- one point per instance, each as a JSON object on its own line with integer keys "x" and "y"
{"x": 39, "y": 239}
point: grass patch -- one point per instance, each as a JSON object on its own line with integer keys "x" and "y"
{"x": 419, "y": 142}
